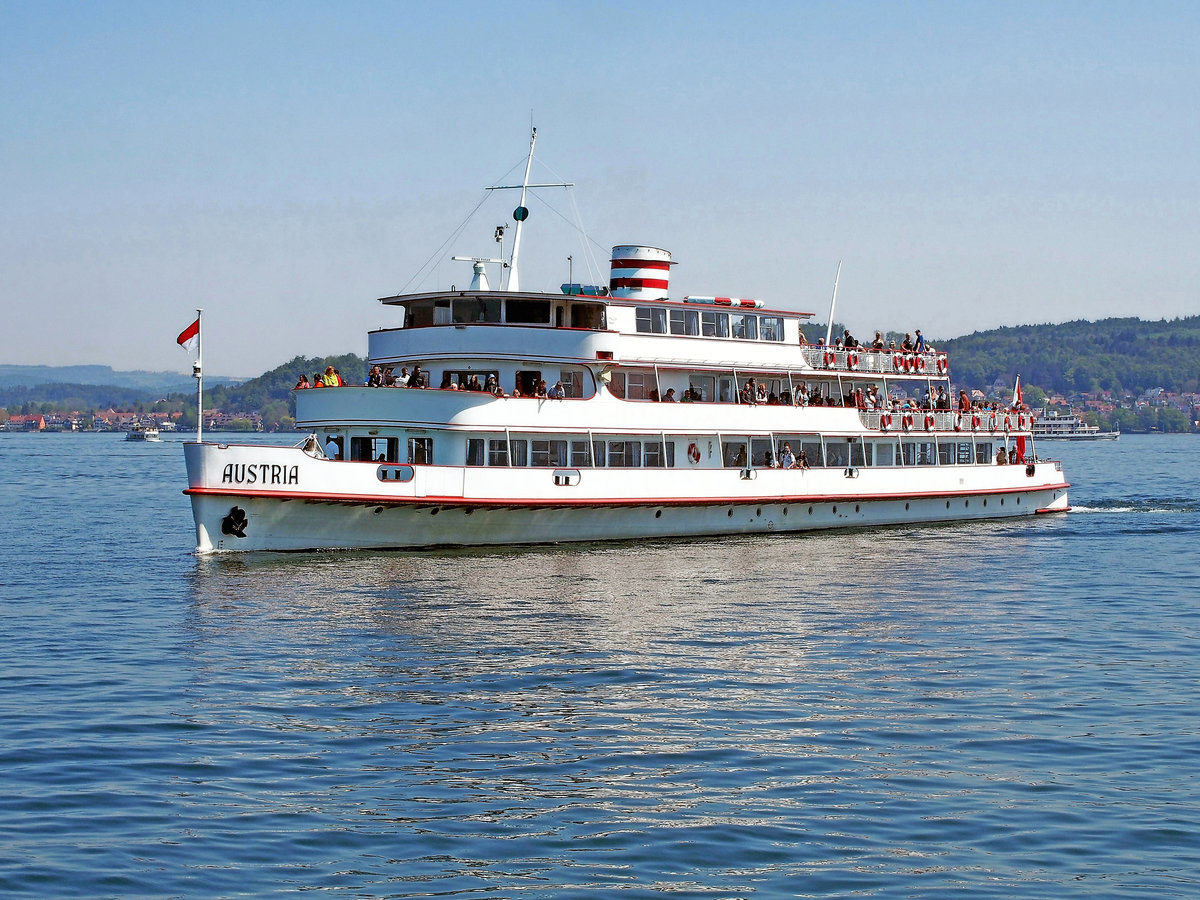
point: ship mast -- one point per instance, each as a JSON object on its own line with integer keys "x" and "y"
{"x": 521, "y": 213}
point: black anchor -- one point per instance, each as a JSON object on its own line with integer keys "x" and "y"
{"x": 235, "y": 523}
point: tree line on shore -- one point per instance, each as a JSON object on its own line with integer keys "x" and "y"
{"x": 1124, "y": 357}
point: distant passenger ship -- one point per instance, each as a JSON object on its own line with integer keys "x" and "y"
{"x": 1051, "y": 425}
{"x": 612, "y": 412}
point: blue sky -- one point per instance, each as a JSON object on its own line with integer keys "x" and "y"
{"x": 282, "y": 165}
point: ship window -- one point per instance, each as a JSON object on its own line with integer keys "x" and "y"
{"x": 945, "y": 453}
{"x": 462, "y": 377}
{"x": 639, "y": 385}
{"x": 599, "y": 454}
{"x": 520, "y": 452}
{"x": 812, "y": 452}
{"x": 572, "y": 382}
{"x": 983, "y": 452}
{"x": 885, "y": 453}
{"x": 475, "y": 453}
{"x": 651, "y": 320}
{"x": 964, "y": 453}
{"x": 587, "y": 315}
{"x": 856, "y": 453}
{"x": 714, "y": 324}
{"x": 744, "y": 326}
{"x": 527, "y": 381}
{"x": 420, "y": 450}
{"x": 497, "y": 453}
{"x": 727, "y": 390}
{"x": 837, "y": 454}
{"x": 702, "y": 387}
{"x": 476, "y": 309}
{"x": 418, "y": 314}
{"x": 760, "y": 452}
{"x": 616, "y": 386}
{"x": 579, "y": 454}
{"x": 685, "y": 321}
{"x": 533, "y": 312}
{"x": 771, "y": 328}
{"x": 375, "y": 449}
{"x": 624, "y": 454}
{"x": 549, "y": 453}
{"x": 733, "y": 454}
{"x": 652, "y": 454}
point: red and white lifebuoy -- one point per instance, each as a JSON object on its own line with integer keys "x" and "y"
{"x": 1008, "y": 423}
{"x": 885, "y": 422}
{"x": 907, "y": 421}
{"x": 1021, "y": 422}
{"x": 830, "y": 359}
{"x": 898, "y": 362}
{"x": 929, "y": 421}
{"x": 975, "y": 422}
{"x": 958, "y": 422}
{"x": 992, "y": 422}
{"x": 693, "y": 453}
{"x": 941, "y": 365}
{"x": 852, "y": 361}
{"x": 920, "y": 363}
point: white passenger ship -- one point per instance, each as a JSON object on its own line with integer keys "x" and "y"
{"x": 606, "y": 454}
{"x": 1053, "y": 425}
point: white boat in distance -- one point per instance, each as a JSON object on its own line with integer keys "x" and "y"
{"x": 663, "y": 418}
{"x": 140, "y": 432}
{"x": 1054, "y": 426}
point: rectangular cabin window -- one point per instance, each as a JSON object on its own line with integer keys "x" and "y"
{"x": 549, "y": 453}
{"x": 624, "y": 454}
{"x": 726, "y": 390}
{"x": 572, "y": 382}
{"x": 527, "y": 312}
{"x": 856, "y": 453}
{"x": 744, "y": 326}
{"x": 420, "y": 451}
{"x": 714, "y": 324}
{"x": 640, "y": 386}
{"x": 616, "y": 385}
{"x": 580, "y": 454}
{"x": 652, "y": 455}
{"x": 702, "y": 387}
{"x": 527, "y": 381}
{"x": 476, "y": 455}
{"x": 375, "y": 449}
{"x": 476, "y": 309}
{"x": 963, "y": 453}
{"x": 497, "y": 453}
{"x": 770, "y": 328}
{"x": 520, "y": 452}
{"x": 462, "y": 378}
{"x": 885, "y": 453}
{"x": 651, "y": 320}
{"x": 418, "y": 314}
{"x": 837, "y": 454}
{"x": 760, "y": 453}
{"x": 812, "y": 452}
{"x": 733, "y": 454}
{"x": 587, "y": 315}
{"x": 441, "y": 312}
{"x": 983, "y": 452}
{"x": 685, "y": 321}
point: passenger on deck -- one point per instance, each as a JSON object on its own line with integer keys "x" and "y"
{"x": 318, "y": 380}
{"x": 1013, "y": 457}
{"x": 556, "y": 392}
{"x": 417, "y": 379}
{"x": 540, "y": 390}
{"x": 762, "y": 393}
{"x": 964, "y": 402}
{"x": 302, "y": 383}
{"x": 491, "y": 384}
{"x": 802, "y": 460}
{"x": 907, "y": 345}
{"x": 473, "y": 384}
{"x": 404, "y": 378}
{"x": 848, "y": 340}
{"x": 877, "y": 344}
{"x": 668, "y": 397}
{"x": 769, "y": 460}
{"x": 375, "y": 377}
{"x": 787, "y": 459}
{"x": 446, "y": 382}
{"x": 919, "y": 346}
{"x": 329, "y": 379}
{"x": 943, "y": 400}
{"x": 332, "y": 450}
{"x": 1001, "y": 456}
{"x": 389, "y": 377}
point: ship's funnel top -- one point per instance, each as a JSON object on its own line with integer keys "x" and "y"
{"x": 642, "y": 273}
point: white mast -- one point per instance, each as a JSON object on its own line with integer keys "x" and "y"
{"x": 197, "y": 373}
{"x": 832, "y": 304}
{"x": 521, "y": 213}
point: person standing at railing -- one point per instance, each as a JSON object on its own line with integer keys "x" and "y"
{"x": 920, "y": 347}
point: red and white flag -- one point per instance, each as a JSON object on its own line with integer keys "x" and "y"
{"x": 190, "y": 335}
{"x": 1016, "y": 390}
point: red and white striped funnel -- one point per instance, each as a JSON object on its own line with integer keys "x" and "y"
{"x": 642, "y": 273}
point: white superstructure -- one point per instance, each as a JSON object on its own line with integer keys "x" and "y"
{"x": 613, "y": 412}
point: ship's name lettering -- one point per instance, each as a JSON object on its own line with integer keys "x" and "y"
{"x": 260, "y": 473}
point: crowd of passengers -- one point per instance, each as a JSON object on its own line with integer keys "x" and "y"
{"x": 847, "y": 341}
{"x": 385, "y": 376}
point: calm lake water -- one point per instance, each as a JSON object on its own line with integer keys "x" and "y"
{"x": 995, "y": 710}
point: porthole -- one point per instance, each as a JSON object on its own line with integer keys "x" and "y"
{"x": 966, "y": 503}
{"x": 835, "y": 510}
{"x": 378, "y": 510}
{"x": 658, "y": 514}
{"x": 758, "y": 512}
{"x": 730, "y": 512}
{"x": 1018, "y": 501}
{"x": 947, "y": 504}
{"x": 906, "y": 507}
{"x": 434, "y": 511}
{"x": 1001, "y": 501}
{"x": 810, "y": 510}
{"x": 856, "y": 507}
{"x": 785, "y": 510}
{"x": 985, "y": 501}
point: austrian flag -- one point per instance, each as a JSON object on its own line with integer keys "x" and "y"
{"x": 189, "y": 336}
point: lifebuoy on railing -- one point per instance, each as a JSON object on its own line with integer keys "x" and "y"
{"x": 885, "y": 421}
{"x": 898, "y": 362}
{"x": 929, "y": 421}
{"x": 907, "y": 421}
{"x": 1008, "y": 423}
{"x": 920, "y": 363}
{"x": 958, "y": 422}
{"x": 941, "y": 365}
{"x": 975, "y": 423}
{"x": 852, "y": 360}
{"x": 693, "y": 453}
{"x": 830, "y": 359}
{"x": 1021, "y": 422}
{"x": 992, "y": 422}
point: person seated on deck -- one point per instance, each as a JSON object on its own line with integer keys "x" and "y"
{"x": 473, "y": 384}
{"x": 540, "y": 390}
{"x": 301, "y": 384}
{"x": 668, "y": 397}
{"x": 375, "y": 377}
{"x": 557, "y": 392}
{"x": 877, "y": 344}
{"x": 491, "y": 384}
{"x": 446, "y": 381}
{"x": 318, "y": 380}
{"x": 787, "y": 459}
{"x": 772, "y": 399}
{"x": 802, "y": 460}
{"x": 417, "y": 379}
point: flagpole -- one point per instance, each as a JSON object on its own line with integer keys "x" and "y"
{"x": 197, "y": 371}
{"x": 832, "y": 306}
